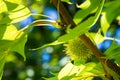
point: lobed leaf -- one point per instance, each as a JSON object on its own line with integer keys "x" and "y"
{"x": 68, "y": 72}
{"x": 13, "y": 39}
{"x": 19, "y": 45}
{"x": 19, "y": 15}
{"x": 10, "y": 44}
{"x": 12, "y": 12}
{"x": 72, "y": 72}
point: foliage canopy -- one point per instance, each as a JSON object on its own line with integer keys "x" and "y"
{"x": 89, "y": 13}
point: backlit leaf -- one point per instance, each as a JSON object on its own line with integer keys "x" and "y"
{"x": 17, "y": 37}
{"x": 88, "y": 7}
{"x": 19, "y": 45}
{"x": 4, "y": 19}
{"x": 10, "y": 32}
{"x": 97, "y": 37}
{"x": 78, "y": 30}
{"x": 15, "y": 1}
{"x": 68, "y": 72}
{"x": 82, "y": 27}
{"x": 85, "y": 4}
{"x": 11, "y": 40}
{"x": 72, "y": 72}
{"x": 19, "y": 15}
{"x": 111, "y": 11}
{"x": 14, "y": 11}
{"x": 10, "y": 6}
{"x": 3, "y": 7}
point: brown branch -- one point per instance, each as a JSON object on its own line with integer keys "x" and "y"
{"x": 68, "y": 19}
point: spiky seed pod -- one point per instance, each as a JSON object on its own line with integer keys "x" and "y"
{"x": 77, "y": 50}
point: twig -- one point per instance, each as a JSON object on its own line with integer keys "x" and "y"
{"x": 68, "y": 19}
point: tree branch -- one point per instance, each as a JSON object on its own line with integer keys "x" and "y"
{"x": 68, "y": 20}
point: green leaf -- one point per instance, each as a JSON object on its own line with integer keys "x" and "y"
{"x": 80, "y": 72}
{"x": 5, "y": 44}
{"x": 14, "y": 1}
{"x": 19, "y": 14}
{"x": 17, "y": 37}
{"x": 4, "y": 50}
{"x": 49, "y": 44}
{"x": 2, "y": 30}
{"x": 82, "y": 27}
{"x": 78, "y": 30}
{"x": 97, "y": 37}
{"x": 10, "y": 32}
{"x": 68, "y": 72}
{"x": 88, "y": 7}
{"x": 113, "y": 52}
{"x": 87, "y": 73}
{"x": 52, "y": 78}
{"x": 3, "y": 7}
{"x": 111, "y": 11}
{"x": 11, "y": 40}
{"x": 2, "y": 62}
{"x": 112, "y": 73}
{"x": 10, "y": 6}
{"x": 98, "y": 69}
{"x": 13, "y": 12}
{"x": 85, "y": 4}
{"x": 3, "y": 13}
{"x": 118, "y": 18}
{"x": 19, "y": 45}
{"x": 5, "y": 19}
{"x": 68, "y": 77}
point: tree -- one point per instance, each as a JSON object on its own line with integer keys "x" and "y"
{"x": 88, "y": 15}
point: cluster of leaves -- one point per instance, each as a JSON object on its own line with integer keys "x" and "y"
{"x": 92, "y": 69}
{"x": 13, "y": 39}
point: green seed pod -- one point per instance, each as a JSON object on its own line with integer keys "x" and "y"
{"x": 77, "y": 50}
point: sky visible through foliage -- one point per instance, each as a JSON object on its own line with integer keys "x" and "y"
{"x": 48, "y": 61}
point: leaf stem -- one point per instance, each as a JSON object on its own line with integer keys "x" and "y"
{"x": 42, "y": 15}
{"x": 41, "y": 22}
{"x": 109, "y": 38}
